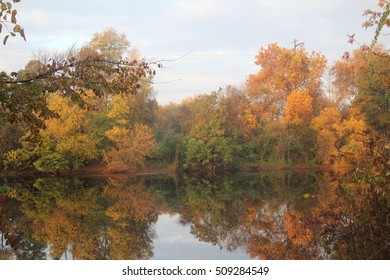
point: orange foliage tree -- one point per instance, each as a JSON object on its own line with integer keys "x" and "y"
{"x": 328, "y": 128}
{"x": 132, "y": 146}
{"x": 282, "y": 72}
{"x": 298, "y": 108}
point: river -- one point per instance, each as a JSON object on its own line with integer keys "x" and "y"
{"x": 279, "y": 215}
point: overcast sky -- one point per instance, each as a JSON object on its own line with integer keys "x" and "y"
{"x": 220, "y": 37}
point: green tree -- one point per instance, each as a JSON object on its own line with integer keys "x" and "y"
{"x": 208, "y": 146}
{"x": 373, "y": 96}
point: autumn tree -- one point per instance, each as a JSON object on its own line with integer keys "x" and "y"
{"x": 232, "y": 104}
{"x": 298, "y": 114}
{"x": 285, "y": 94}
{"x": 66, "y": 137}
{"x": 344, "y": 80}
{"x": 361, "y": 81}
{"x": 338, "y": 138}
{"x": 298, "y": 109}
{"x": 355, "y": 137}
{"x": 109, "y": 44}
{"x": 129, "y": 109}
{"x": 64, "y": 143}
{"x": 74, "y": 73}
{"x": 133, "y": 138}
{"x": 132, "y": 146}
{"x": 283, "y": 71}
{"x": 49, "y": 95}
{"x": 328, "y": 128}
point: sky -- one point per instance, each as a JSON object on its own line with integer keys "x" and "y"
{"x": 204, "y": 44}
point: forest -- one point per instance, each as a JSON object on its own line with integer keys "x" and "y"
{"x": 94, "y": 107}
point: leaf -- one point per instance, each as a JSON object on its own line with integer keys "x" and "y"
{"x": 21, "y": 32}
{"x": 13, "y": 17}
{"x": 17, "y": 28}
{"x": 5, "y": 39}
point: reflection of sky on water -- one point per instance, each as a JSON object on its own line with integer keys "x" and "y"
{"x": 174, "y": 241}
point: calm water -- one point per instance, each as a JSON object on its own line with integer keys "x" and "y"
{"x": 238, "y": 216}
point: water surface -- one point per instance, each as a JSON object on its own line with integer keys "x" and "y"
{"x": 238, "y": 216}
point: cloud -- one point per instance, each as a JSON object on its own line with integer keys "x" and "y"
{"x": 35, "y": 17}
{"x": 224, "y": 35}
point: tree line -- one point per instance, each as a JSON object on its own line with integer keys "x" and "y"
{"x": 95, "y": 105}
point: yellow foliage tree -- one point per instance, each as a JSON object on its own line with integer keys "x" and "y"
{"x": 66, "y": 144}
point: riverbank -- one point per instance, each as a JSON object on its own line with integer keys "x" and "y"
{"x": 97, "y": 170}
{"x": 100, "y": 170}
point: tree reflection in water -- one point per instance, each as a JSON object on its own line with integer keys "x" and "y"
{"x": 76, "y": 220}
{"x": 271, "y": 216}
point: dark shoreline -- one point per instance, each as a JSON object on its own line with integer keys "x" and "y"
{"x": 102, "y": 171}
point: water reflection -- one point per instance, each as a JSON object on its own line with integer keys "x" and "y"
{"x": 271, "y": 216}
{"x": 174, "y": 241}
